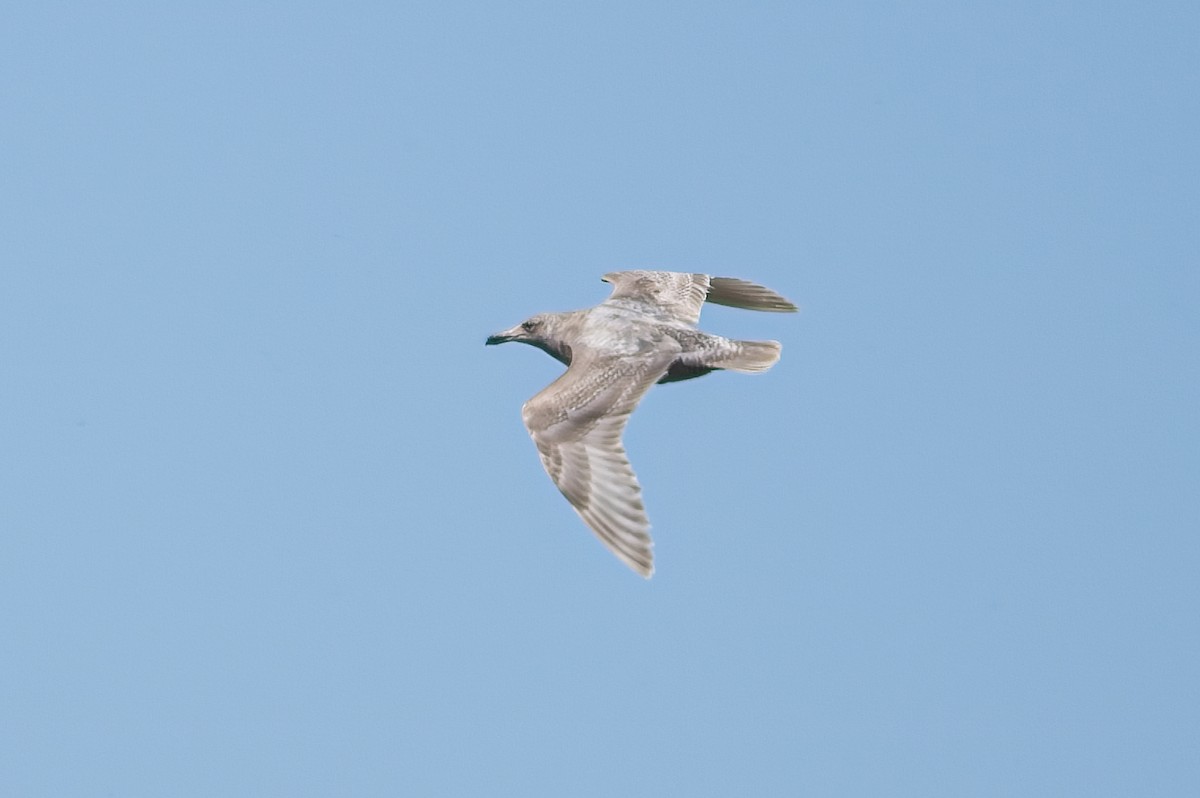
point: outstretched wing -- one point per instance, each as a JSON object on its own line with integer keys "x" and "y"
{"x": 679, "y": 295}
{"x": 676, "y": 295}
{"x": 576, "y": 423}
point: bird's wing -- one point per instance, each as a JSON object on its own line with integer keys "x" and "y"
{"x": 747, "y": 295}
{"x": 676, "y": 295}
{"x": 576, "y": 423}
{"x": 679, "y": 295}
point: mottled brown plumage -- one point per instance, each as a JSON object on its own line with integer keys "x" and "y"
{"x": 644, "y": 333}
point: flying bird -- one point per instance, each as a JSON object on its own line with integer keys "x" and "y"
{"x": 644, "y": 333}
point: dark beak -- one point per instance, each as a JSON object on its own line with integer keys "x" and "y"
{"x": 504, "y": 336}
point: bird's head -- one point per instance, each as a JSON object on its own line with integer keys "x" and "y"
{"x": 545, "y": 331}
{"x": 531, "y": 331}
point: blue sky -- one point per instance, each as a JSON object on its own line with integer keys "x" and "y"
{"x": 270, "y": 524}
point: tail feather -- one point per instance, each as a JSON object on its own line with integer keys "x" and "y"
{"x": 751, "y": 356}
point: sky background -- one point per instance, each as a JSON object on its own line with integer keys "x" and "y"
{"x": 270, "y": 523}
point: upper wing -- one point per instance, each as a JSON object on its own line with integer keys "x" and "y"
{"x": 675, "y": 294}
{"x": 680, "y": 295}
{"x": 576, "y": 423}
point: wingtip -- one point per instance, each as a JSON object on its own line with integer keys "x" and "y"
{"x": 642, "y": 567}
{"x": 737, "y": 293}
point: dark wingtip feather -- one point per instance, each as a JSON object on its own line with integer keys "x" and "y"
{"x": 736, "y": 293}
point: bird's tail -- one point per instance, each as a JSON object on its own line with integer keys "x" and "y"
{"x": 752, "y": 356}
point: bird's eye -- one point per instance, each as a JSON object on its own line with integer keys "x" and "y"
{"x": 528, "y": 326}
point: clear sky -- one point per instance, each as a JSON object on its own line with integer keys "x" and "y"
{"x": 270, "y": 524}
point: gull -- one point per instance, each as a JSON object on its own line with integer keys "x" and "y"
{"x": 644, "y": 333}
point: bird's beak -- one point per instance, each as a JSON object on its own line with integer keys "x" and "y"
{"x": 503, "y": 337}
